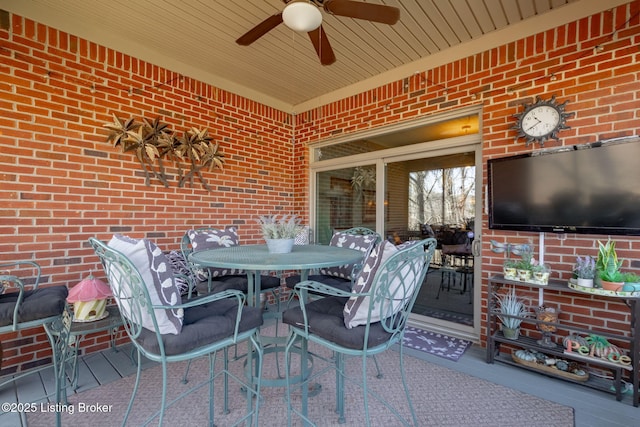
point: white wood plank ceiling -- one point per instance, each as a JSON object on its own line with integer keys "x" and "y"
{"x": 197, "y": 38}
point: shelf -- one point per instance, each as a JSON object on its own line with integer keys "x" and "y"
{"x": 594, "y": 382}
{"x": 557, "y": 351}
{"x": 495, "y": 339}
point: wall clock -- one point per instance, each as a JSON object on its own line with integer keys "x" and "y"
{"x": 541, "y": 120}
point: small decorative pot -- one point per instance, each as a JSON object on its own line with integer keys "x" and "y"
{"x": 541, "y": 277}
{"x": 585, "y": 283}
{"x": 510, "y": 273}
{"x": 280, "y": 246}
{"x": 611, "y": 286}
{"x": 524, "y": 275}
{"x": 511, "y": 333}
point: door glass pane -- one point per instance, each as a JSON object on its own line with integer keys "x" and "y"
{"x": 345, "y": 198}
{"x": 435, "y": 197}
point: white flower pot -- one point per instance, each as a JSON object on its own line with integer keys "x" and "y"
{"x": 280, "y": 246}
{"x": 585, "y": 283}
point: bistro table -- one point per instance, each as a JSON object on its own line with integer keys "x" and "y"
{"x": 255, "y": 259}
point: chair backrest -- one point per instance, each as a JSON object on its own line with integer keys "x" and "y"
{"x": 397, "y": 282}
{"x": 129, "y": 290}
{"x": 31, "y": 272}
{"x": 361, "y": 231}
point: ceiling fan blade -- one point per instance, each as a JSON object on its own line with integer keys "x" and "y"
{"x": 323, "y": 47}
{"x": 260, "y": 30}
{"x": 360, "y": 10}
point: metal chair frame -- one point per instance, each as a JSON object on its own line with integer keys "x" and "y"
{"x": 132, "y": 292}
{"x": 56, "y": 327}
{"x": 399, "y": 268}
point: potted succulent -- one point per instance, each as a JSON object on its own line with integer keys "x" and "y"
{"x": 608, "y": 266}
{"x": 541, "y": 273}
{"x": 512, "y": 310}
{"x": 509, "y": 269}
{"x": 525, "y": 264}
{"x": 585, "y": 271}
{"x": 280, "y": 231}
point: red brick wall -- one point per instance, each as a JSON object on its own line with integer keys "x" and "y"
{"x": 602, "y": 89}
{"x": 61, "y": 182}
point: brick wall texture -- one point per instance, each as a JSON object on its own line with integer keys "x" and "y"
{"x": 61, "y": 182}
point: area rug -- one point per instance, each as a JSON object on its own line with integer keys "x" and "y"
{"x": 433, "y": 343}
{"x": 441, "y": 397}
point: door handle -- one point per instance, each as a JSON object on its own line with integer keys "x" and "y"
{"x": 475, "y": 247}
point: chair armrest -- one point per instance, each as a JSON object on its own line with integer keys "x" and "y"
{"x": 229, "y": 293}
{"x": 320, "y": 288}
{"x": 302, "y": 288}
{"x": 8, "y": 281}
{"x": 190, "y": 282}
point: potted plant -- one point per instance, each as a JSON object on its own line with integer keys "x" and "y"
{"x": 280, "y": 231}
{"x": 525, "y": 264}
{"x": 608, "y": 266}
{"x": 510, "y": 305}
{"x": 509, "y": 269}
{"x": 585, "y": 271}
{"x": 541, "y": 273}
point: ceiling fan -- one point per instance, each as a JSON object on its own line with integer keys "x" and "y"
{"x": 304, "y": 16}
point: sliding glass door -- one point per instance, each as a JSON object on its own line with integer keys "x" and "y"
{"x": 408, "y": 185}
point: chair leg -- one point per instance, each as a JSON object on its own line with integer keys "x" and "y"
{"x": 340, "y": 365}
{"x": 375, "y": 361}
{"x": 163, "y": 400}
{"x": 257, "y": 347}
{"x": 365, "y": 390}
{"x": 186, "y": 373}
{"x": 212, "y": 362}
{"x": 135, "y": 389}
{"x": 225, "y": 377}
{"x": 406, "y": 387}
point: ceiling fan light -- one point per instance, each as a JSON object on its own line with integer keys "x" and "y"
{"x": 302, "y": 17}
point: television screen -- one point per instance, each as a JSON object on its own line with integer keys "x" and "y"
{"x": 592, "y": 189}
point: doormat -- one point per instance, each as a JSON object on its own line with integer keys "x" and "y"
{"x": 433, "y": 343}
{"x": 446, "y": 315}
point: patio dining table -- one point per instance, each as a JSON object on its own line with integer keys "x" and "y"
{"x": 255, "y": 259}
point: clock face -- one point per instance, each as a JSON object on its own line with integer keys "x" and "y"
{"x": 541, "y": 121}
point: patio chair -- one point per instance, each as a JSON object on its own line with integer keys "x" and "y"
{"x": 361, "y": 323}
{"x": 360, "y": 238}
{"x": 25, "y": 306}
{"x": 168, "y": 332}
{"x": 219, "y": 279}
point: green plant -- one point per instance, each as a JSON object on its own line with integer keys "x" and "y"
{"x": 526, "y": 261}
{"x": 510, "y": 263}
{"x": 279, "y": 227}
{"x": 509, "y": 304}
{"x": 630, "y": 277}
{"x": 585, "y": 268}
{"x": 608, "y": 265}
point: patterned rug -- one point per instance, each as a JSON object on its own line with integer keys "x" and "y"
{"x": 437, "y": 344}
{"x": 441, "y": 397}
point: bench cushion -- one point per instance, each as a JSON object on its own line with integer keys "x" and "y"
{"x": 326, "y": 320}
{"x": 36, "y": 304}
{"x": 202, "y": 325}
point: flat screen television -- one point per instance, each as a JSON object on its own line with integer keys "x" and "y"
{"x": 591, "y": 188}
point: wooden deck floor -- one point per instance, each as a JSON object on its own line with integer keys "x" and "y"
{"x": 592, "y": 408}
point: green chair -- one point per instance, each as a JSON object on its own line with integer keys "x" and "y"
{"x": 24, "y": 305}
{"x": 220, "y": 279}
{"x": 196, "y": 338}
{"x": 361, "y": 323}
